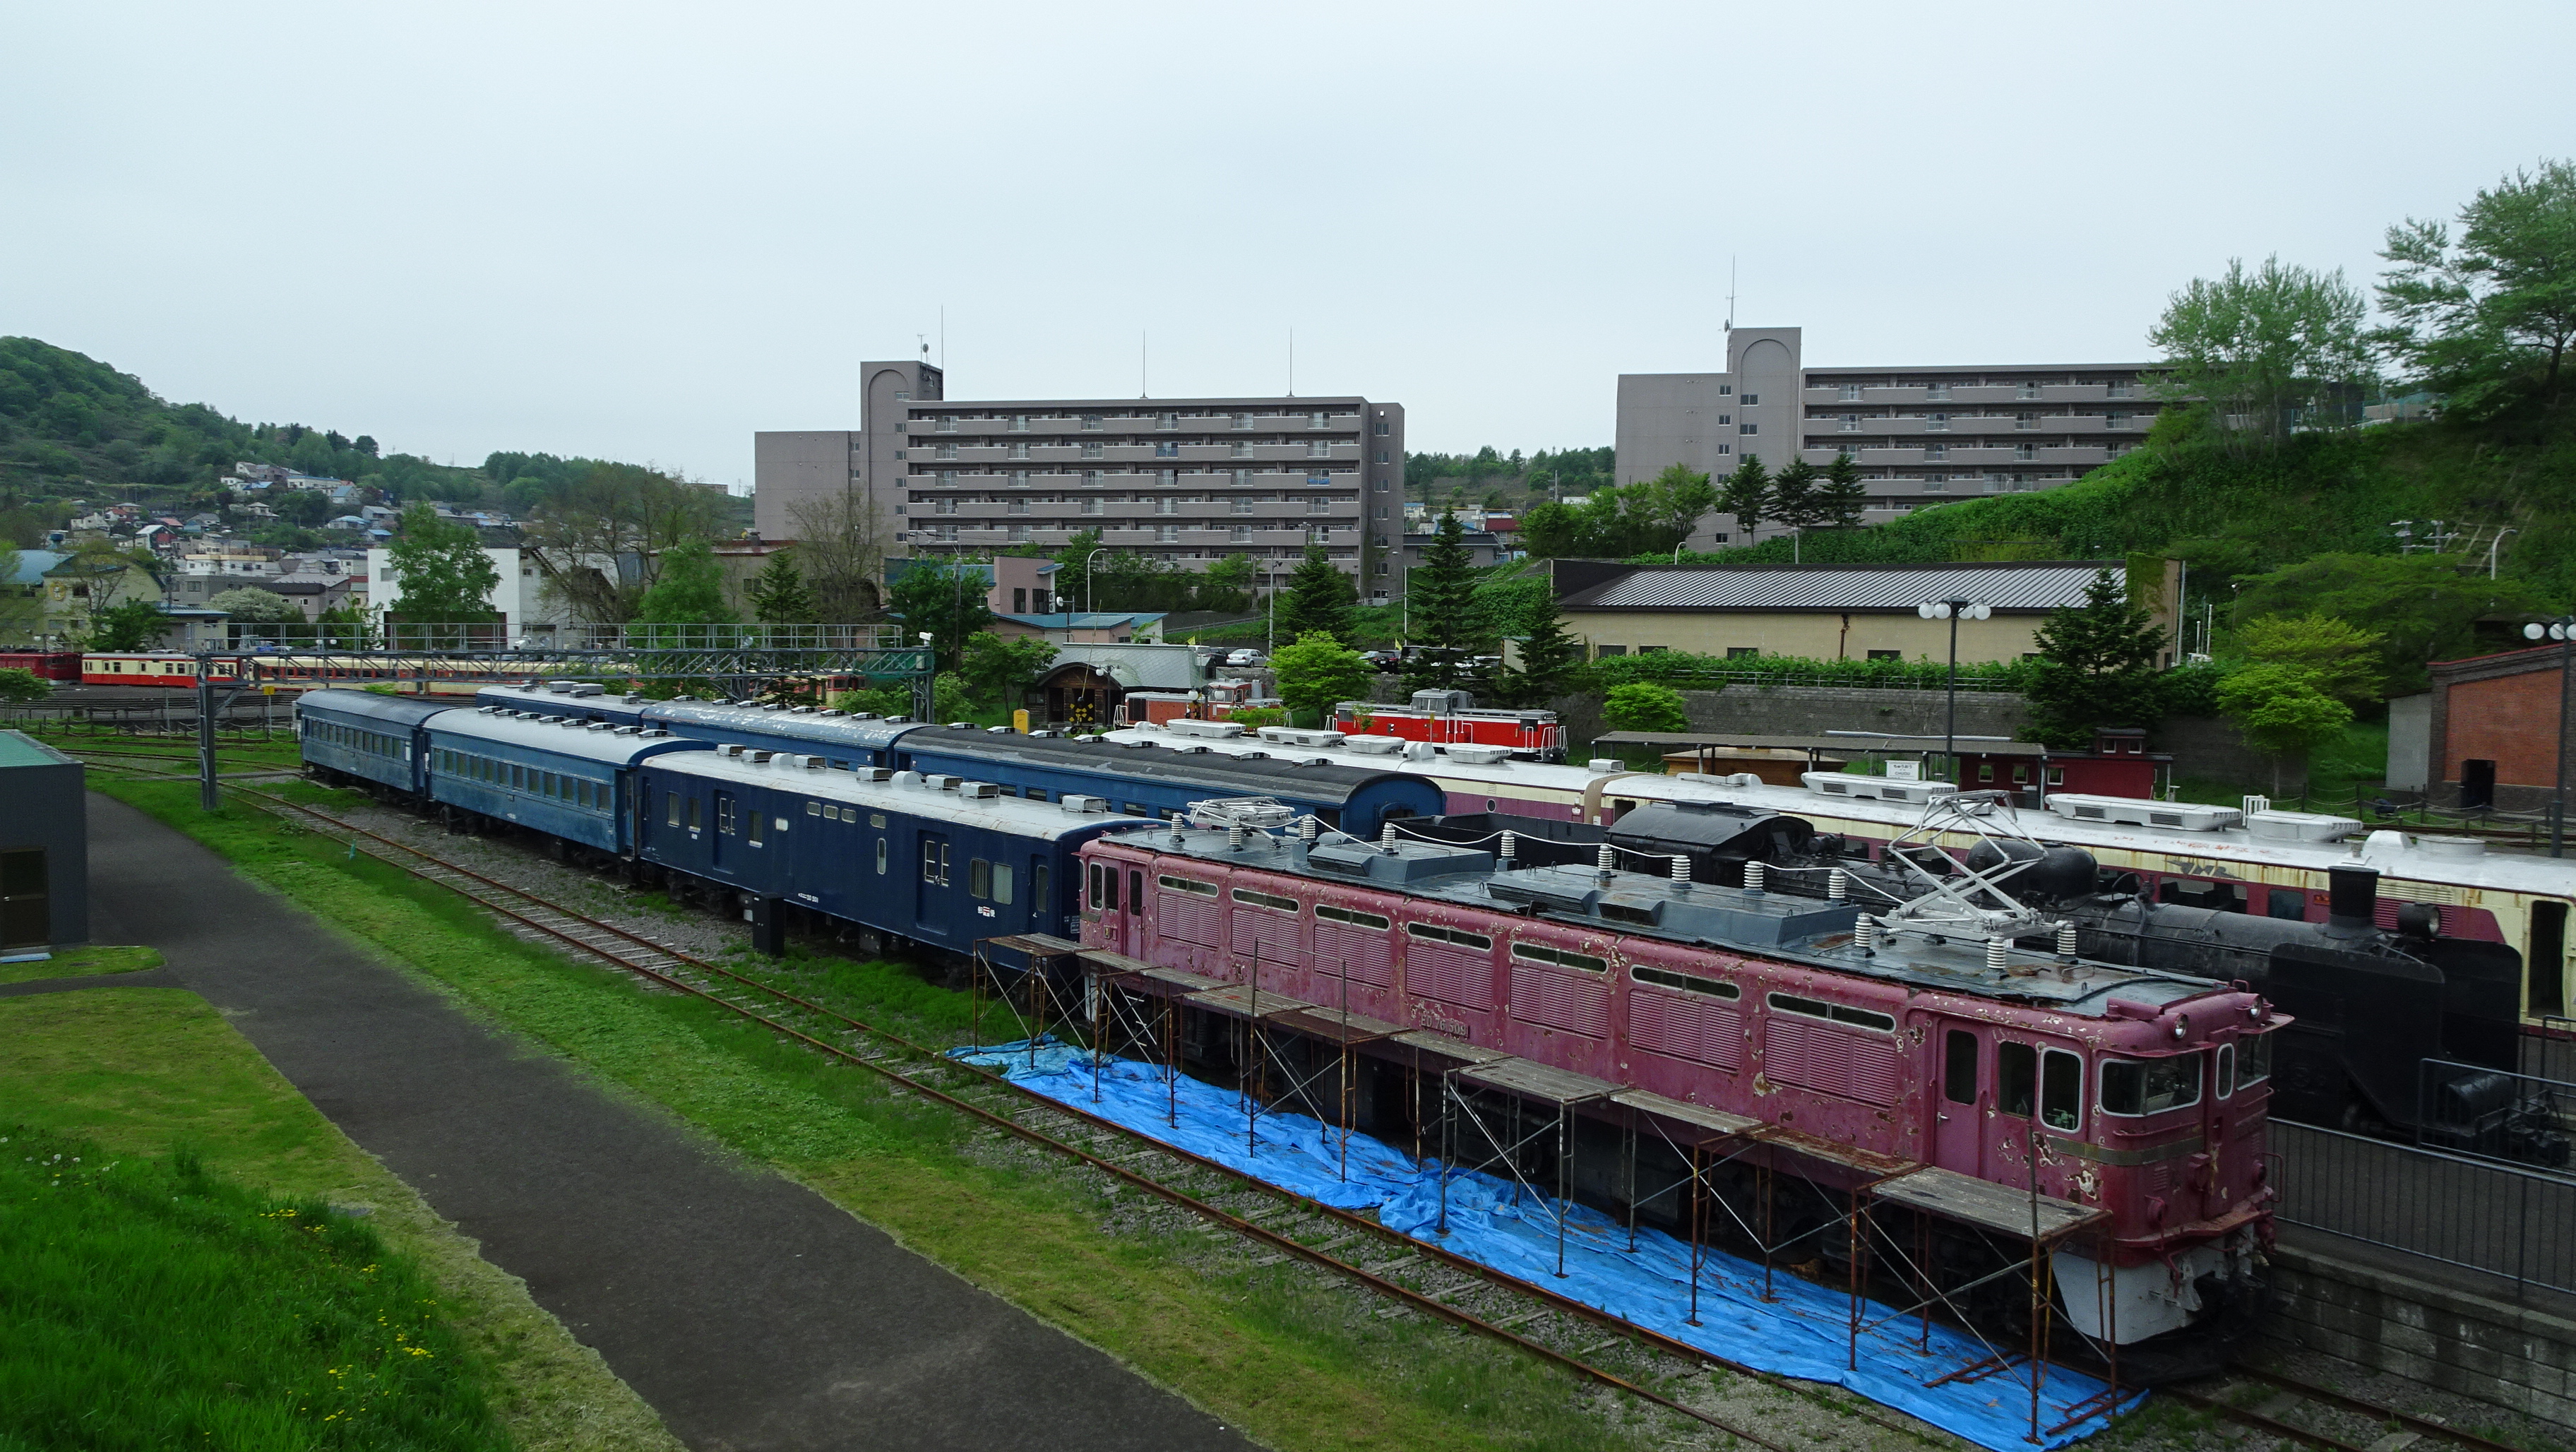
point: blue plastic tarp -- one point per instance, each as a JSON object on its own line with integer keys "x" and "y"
{"x": 1804, "y": 1331}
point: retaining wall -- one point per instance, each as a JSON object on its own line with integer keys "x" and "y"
{"x": 2483, "y": 1348}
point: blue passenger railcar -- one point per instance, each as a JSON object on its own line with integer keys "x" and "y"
{"x": 1158, "y": 781}
{"x": 567, "y": 779}
{"x": 579, "y": 700}
{"x": 939, "y": 861}
{"x": 373, "y": 738}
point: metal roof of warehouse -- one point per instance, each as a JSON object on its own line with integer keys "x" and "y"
{"x": 2037, "y": 586}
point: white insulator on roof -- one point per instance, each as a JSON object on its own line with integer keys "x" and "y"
{"x": 1865, "y": 935}
{"x": 1608, "y": 859}
{"x": 1511, "y": 849}
{"x": 1838, "y": 885}
{"x": 1681, "y": 873}
{"x": 1386, "y": 839}
{"x": 1233, "y": 837}
{"x": 1306, "y": 829}
{"x": 2066, "y": 940}
{"x": 1998, "y": 954}
{"x": 1755, "y": 874}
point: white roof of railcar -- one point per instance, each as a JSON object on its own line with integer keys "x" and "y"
{"x": 2492, "y": 871}
{"x": 905, "y": 792}
{"x": 574, "y": 739}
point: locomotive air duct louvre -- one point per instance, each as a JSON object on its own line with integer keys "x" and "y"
{"x": 2352, "y": 898}
{"x": 1203, "y": 728}
{"x": 1480, "y": 755}
{"x": 978, "y": 791}
{"x": 2137, "y": 812}
{"x": 1085, "y": 806}
{"x": 1375, "y": 745}
{"x": 1289, "y": 735}
{"x": 872, "y": 773}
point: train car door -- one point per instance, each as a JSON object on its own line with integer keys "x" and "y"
{"x": 1960, "y": 1066}
{"x": 930, "y": 911}
{"x": 724, "y": 829}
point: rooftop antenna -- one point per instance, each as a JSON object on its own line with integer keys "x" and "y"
{"x": 1730, "y": 293}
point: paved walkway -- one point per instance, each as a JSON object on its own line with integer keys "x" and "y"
{"x": 751, "y": 1313}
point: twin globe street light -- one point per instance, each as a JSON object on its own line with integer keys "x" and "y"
{"x": 1953, "y": 611}
{"x": 2562, "y": 630}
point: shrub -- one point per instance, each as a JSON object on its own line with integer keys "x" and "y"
{"x": 1644, "y": 706}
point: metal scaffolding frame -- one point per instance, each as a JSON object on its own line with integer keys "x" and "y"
{"x": 1519, "y": 1079}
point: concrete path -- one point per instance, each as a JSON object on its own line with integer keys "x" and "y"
{"x": 750, "y": 1312}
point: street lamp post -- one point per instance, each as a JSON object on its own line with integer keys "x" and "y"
{"x": 2562, "y": 630}
{"x": 1953, "y": 611}
{"x": 1089, "y": 600}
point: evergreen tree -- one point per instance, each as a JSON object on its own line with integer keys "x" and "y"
{"x": 1794, "y": 500}
{"x": 1321, "y": 600}
{"x": 2097, "y": 667}
{"x": 1842, "y": 498}
{"x": 1551, "y": 665}
{"x": 778, "y": 595}
{"x": 1747, "y": 496}
{"x": 690, "y": 590}
{"x": 1448, "y": 621}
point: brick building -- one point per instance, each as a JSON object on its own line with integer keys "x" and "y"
{"x": 2494, "y": 736}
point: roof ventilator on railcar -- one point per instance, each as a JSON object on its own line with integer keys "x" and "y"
{"x": 1259, "y": 814}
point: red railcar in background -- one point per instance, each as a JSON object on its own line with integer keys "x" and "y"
{"x": 1444, "y": 718}
{"x": 48, "y": 665}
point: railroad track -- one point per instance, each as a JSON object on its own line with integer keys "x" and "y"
{"x": 2379, "y": 1428}
{"x": 1412, "y": 1275}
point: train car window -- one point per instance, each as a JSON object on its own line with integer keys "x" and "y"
{"x": 2548, "y": 958}
{"x": 1687, "y": 983}
{"x": 518, "y": 776}
{"x": 2016, "y": 1078}
{"x": 1836, "y": 1012}
{"x": 2290, "y": 904}
{"x": 1477, "y": 941}
{"x": 1350, "y": 917}
{"x": 672, "y": 799}
{"x": 1038, "y": 878}
{"x": 881, "y": 857}
{"x": 2061, "y": 1089}
{"x": 545, "y": 783}
{"x": 758, "y": 820}
{"x": 695, "y": 820}
{"x": 876, "y": 819}
{"x": 979, "y": 878}
{"x": 934, "y": 861}
{"x": 2253, "y": 1060}
{"x": 1190, "y": 885}
{"x": 2150, "y": 1086}
{"x": 1959, "y": 1067}
{"x": 2226, "y": 1070}
{"x": 1092, "y": 885}
{"x": 1538, "y": 953}
{"x": 1270, "y": 900}
{"x": 813, "y": 809}
{"x": 1135, "y": 892}
{"x": 1002, "y": 883}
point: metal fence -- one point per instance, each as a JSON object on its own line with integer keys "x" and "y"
{"x": 2454, "y": 1210}
{"x": 256, "y": 716}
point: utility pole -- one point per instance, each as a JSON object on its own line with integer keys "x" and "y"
{"x": 1952, "y": 611}
{"x": 207, "y": 794}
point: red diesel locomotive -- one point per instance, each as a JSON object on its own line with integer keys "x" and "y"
{"x": 1912, "y": 1037}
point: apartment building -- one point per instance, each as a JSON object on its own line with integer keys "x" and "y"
{"x": 1921, "y": 434}
{"x": 1187, "y": 480}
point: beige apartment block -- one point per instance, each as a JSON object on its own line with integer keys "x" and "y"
{"x": 1921, "y": 435}
{"x": 1190, "y": 481}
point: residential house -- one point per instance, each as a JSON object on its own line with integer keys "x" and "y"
{"x": 81, "y": 585}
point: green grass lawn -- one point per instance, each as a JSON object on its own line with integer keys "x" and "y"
{"x": 1297, "y": 1362}
{"x": 80, "y": 962}
{"x": 142, "y": 1073}
{"x": 158, "y": 1304}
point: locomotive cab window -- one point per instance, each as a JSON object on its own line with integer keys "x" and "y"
{"x": 1959, "y": 1067}
{"x": 2150, "y": 1086}
{"x": 2061, "y": 1090}
{"x": 2016, "y": 1079}
{"x": 2253, "y": 1060}
{"x": 2226, "y": 1070}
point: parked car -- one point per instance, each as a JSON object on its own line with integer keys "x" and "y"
{"x": 1246, "y": 658}
{"x": 1383, "y": 661}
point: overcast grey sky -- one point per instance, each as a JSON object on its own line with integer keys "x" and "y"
{"x": 644, "y": 231}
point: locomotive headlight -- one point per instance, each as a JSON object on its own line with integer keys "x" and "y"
{"x": 2182, "y": 1027}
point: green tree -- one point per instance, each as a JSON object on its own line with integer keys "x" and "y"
{"x": 945, "y": 601}
{"x": 1747, "y": 495}
{"x": 690, "y": 590}
{"x": 126, "y": 625}
{"x": 1796, "y": 502}
{"x": 2265, "y": 347}
{"x": 1842, "y": 498}
{"x": 2340, "y": 659}
{"x": 996, "y": 670}
{"x": 1227, "y": 585}
{"x": 1448, "y": 621}
{"x": 1644, "y": 706}
{"x": 1675, "y": 502}
{"x": 18, "y": 686}
{"x": 445, "y": 575}
{"x": 2096, "y": 667}
{"x": 2493, "y": 317}
{"x": 1318, "y": 673}
{"x": 778, "y": 595}
{"x": 1321, "y": 600}
{"x": 1550, "y": 665}
{"x": 2426, "y": 609}
{"x": 251, "y": 604}
{"x": 2282, "y": 712}
{"x": 310, "y": 508}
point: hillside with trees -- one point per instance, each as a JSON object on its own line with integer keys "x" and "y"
{"x": 75, "y": 432}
